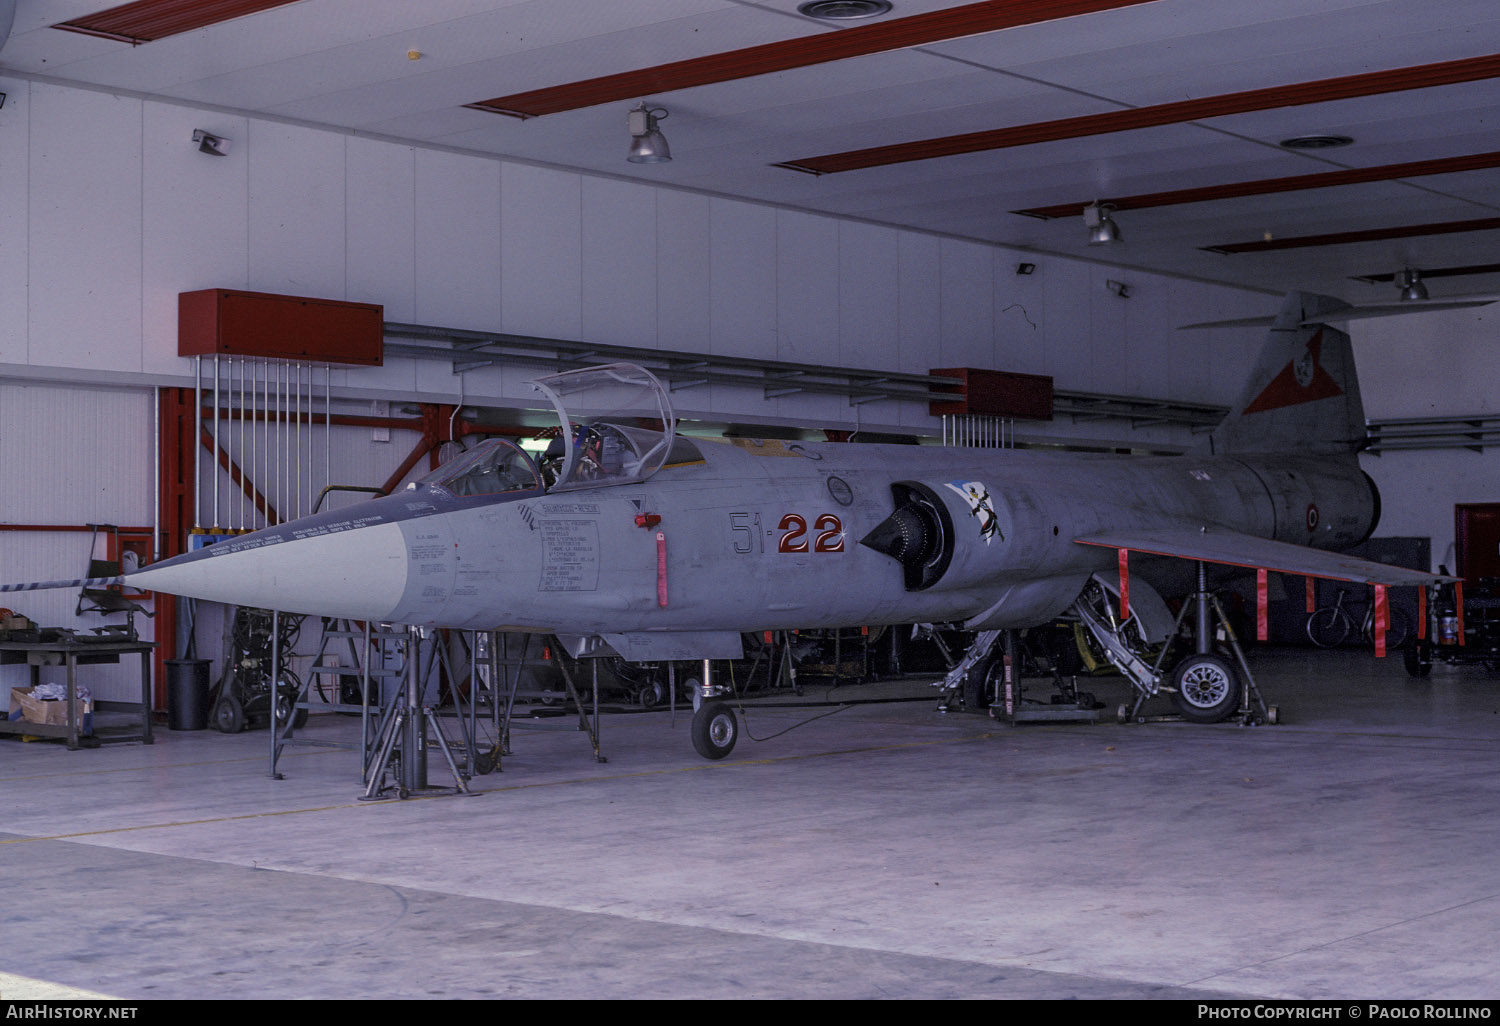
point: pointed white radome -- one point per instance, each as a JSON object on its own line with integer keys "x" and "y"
{"x": 359, "y": 574}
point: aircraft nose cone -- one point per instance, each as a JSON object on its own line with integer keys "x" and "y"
{"x": 358, "y": 573}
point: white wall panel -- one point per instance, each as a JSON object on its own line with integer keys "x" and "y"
{"x": 15, "y": 159}
{"x": 619, "y": 263}
{"x": 919, "y": 312}
{"x": 458, "y": 272}
{"x": 380, "y": 247}
{"x": 73, "y": 456}
{"x": 541, "y": 251}
{"x": 1144, "y": 362}
{"x": 380, "y": 255}
{"x": 1427, "y": 364}
{"x": 869, "y": 297}
{"x": 457, "y": 239}
{"x": 742, "y": 289}
{"x": 450, "y": 239}
{"x": 1418, "y": 491}
{"x": 807, "y": 306}
{"x": 1188, "y": 353}
{"x": 683, "y": 307}
{"x": 684, "y": 271}
{"x": 86, "y": 458}
{"x": 1019, "y": 315}
{"x": 85, "y": 229}
{"x": 296, "y": 210}
{"x": 1108, "y": 342}
{"x": 807, "y": 287}
{"x": 968, "y": 304}
{"x": 195, "y": 227}
{"x": 1065, "y": 329}
{"x": 742, "y": 292}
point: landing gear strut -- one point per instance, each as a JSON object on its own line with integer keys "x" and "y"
{"x": 1206, "y": 686}
{"x": 715, "y": 728}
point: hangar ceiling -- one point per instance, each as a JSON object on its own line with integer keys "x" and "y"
{"x": 996, "y": 121}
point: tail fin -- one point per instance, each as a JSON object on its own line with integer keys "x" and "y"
{"x": 1303, "y": 395}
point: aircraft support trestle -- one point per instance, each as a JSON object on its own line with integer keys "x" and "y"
{"x": 410, "y": 723}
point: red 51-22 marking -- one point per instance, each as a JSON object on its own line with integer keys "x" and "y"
{"x": 829, "y": 535}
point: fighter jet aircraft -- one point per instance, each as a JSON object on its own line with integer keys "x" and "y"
{"x": 636, "y": 541}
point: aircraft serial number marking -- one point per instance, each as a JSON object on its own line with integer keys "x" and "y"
{"x": 827, "y": 533}
{"x": 830, "y": 536}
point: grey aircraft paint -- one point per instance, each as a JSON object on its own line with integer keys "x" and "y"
{"x": 744, "y": 535}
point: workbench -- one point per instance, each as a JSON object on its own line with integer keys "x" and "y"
{"x": 72, "y": 654}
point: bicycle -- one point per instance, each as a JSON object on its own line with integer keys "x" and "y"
{"x": 1332, "y": 625}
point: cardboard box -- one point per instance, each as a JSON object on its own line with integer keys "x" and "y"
{"x": 35, "y": 710}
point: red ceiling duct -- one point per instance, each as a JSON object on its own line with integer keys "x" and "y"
{"x": 1409, "y": 231}
{"x": 820, "y": 48}
{"x": 1268, "y": 186}
{"x": 1422, "y": 76}
{"x": 147, "y": 20}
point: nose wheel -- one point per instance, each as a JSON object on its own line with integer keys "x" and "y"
{"x": 715, "y": 730}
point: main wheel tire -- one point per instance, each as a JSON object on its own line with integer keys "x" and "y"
{"x": 229, "y": 715}
{"x": 1207, "y": 688}
{"x": 1418, "y": 657}
{"x": 715, "y": 730}
{"x": 1329, "y": 627}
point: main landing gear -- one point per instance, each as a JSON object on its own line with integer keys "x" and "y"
{"x": 1207, "y": 686}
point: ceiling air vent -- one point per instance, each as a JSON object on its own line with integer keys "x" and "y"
{"x": 844, "y": 10}
{"x": 1316, "y": 142}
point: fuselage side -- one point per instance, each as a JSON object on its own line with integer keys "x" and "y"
{"x": 762, "y": 536}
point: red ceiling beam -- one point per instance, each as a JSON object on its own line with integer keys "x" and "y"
{"x": 148, "y": 20}
{"x": 1422, "y": 76}
{"x": 1428, "y": 273}
{"x": 1483, "y": 224}
{"x": 1268, "y": 186}
{"x": 820, "y": 48}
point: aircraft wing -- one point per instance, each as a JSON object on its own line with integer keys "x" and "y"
{"x": 1234, "y": 548}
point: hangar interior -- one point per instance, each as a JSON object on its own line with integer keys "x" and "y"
{"x": 453, "y": 165}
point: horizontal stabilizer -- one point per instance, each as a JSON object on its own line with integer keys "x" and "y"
{"x": 1352, "y": 313}
{"x": 1220, "y": 545}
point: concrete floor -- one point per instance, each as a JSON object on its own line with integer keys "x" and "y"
{"x": 885, "y": 851}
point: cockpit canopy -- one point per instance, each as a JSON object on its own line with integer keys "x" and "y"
{"x": 492, "y": 467}
{"x": 618, "y": 426}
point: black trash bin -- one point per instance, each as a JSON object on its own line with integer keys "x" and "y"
{"x": 187, "y": 694}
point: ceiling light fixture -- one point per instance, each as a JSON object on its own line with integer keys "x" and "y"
{"x": 1102, "y": 229}
{"x": 1119, "y": 288}
{"x": 209, "y": 143}
{"x": 647, "y": 144}
{"x": 1025, "y": 268}
{"x": 1409, "y": 281}
{"x": 844, "y": 10}
{"x": 1315, "y": 142}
